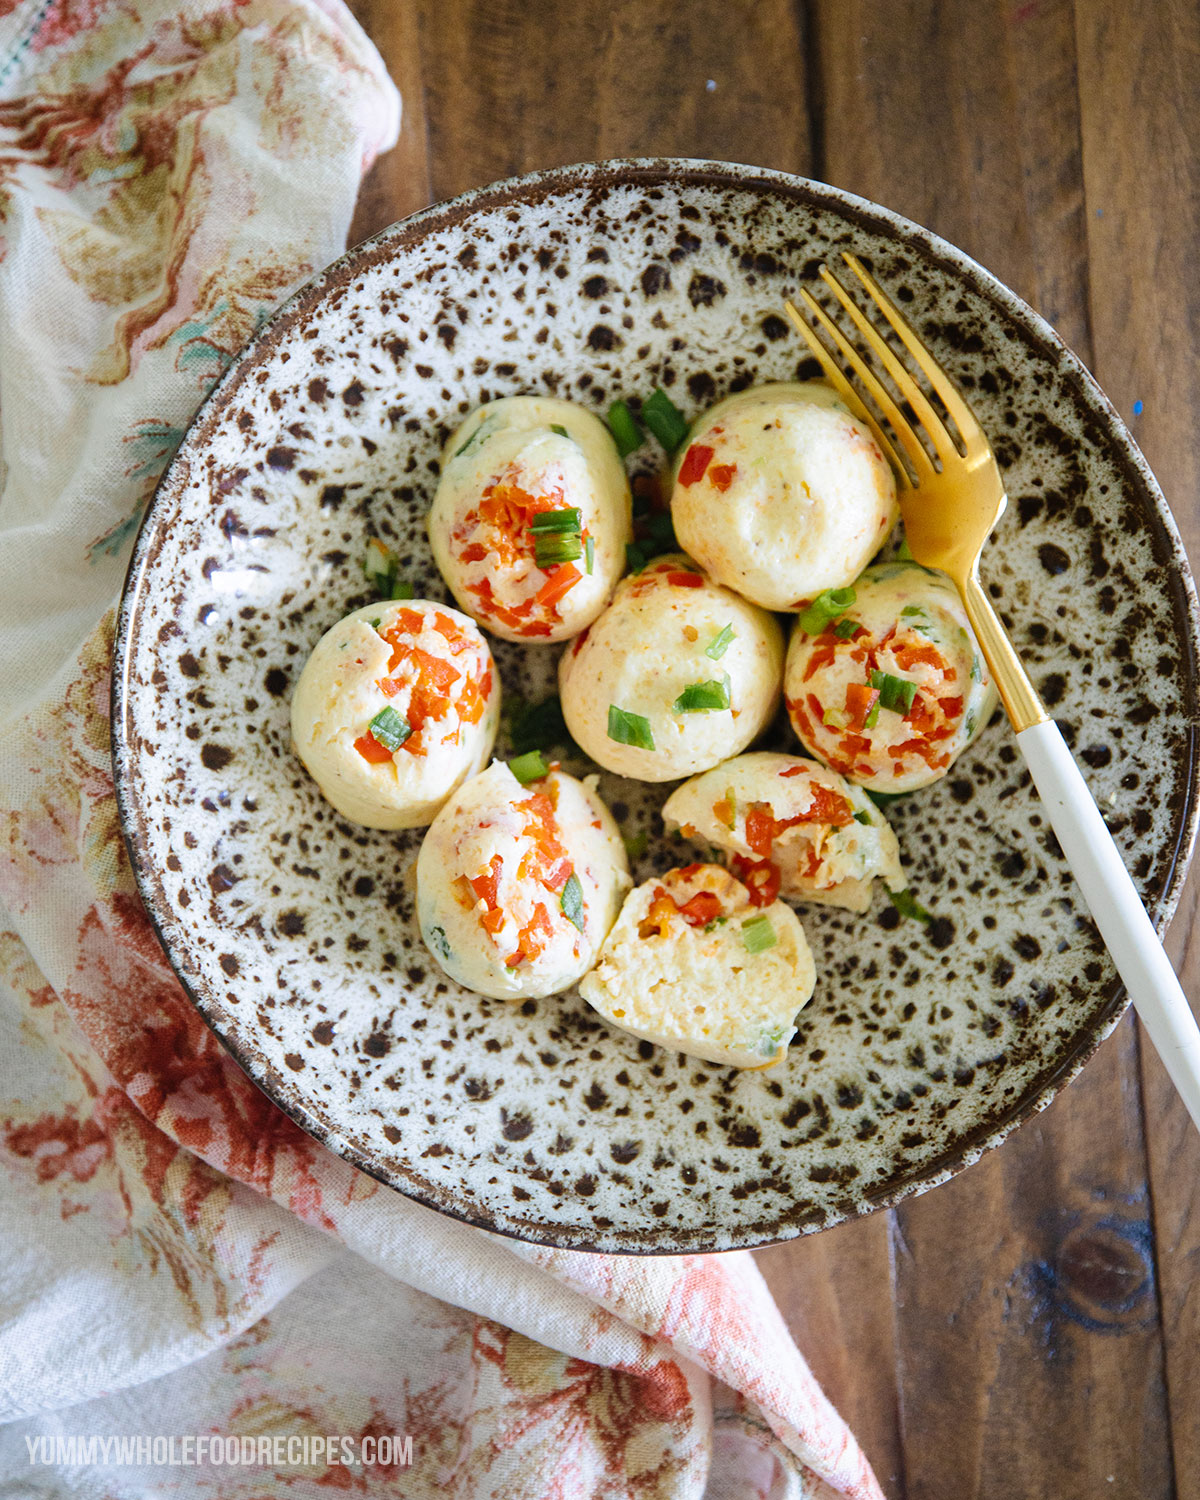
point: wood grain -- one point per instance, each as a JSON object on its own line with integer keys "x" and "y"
{"x": 1033, "y": 1327}
{"x": 1140, "y": 93}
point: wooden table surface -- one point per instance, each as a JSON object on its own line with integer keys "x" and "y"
{"x": 1033, "y": 1327}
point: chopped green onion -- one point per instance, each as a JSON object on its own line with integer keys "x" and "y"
{"x": 881, "y": 799}
{"x": 562, "y": 431}
{"x": 904, "y": 552}
{"x": 910, "y": 610}
{"x": 389, "y": 728}
{"x": 826, "y": 607}
{"x": 769, "y": 1041}
{"x": 846, "y": 630}
{"x": 438, "y": 941}
{"x": 589, "y": 551}
{"x": 629, "y": 729}
{"x": 970, "y": 723}
{"x": 571, "y": 901}
{"x": 976, "y": 670}
{"x": 894, "y": 692}
{"x": 402, "y": 589}
{"x": 758, "y": 935}
{"x": 556, "y": 520}
{"x": 719, "y": 644}
{"x": 664, "y": 419}
{"x": 635, "y": 843}
{"x": 626, "y": 433}
{"x": 538, "y": 726}
{"x": 863, "y": 817}
{"x": 459, "y": 451}
{"x": 549, "y": 549}
{"x": 714, "y": 924}
{"x": 702, "y": 697}
{"x": 908, "y": 906}
{"x": 635, "y": 558}
{"x": 529, "y": 767}
{"x": 379, "y": 566}
{"x": 375, "y": 623}
{"x": 873, "y": 717}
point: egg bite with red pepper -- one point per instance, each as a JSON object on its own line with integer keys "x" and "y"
{"x": 885, "y": 681}
{"x": 531, "y": 517}
{"x": 397, "y": 705}
{"x": 789, "y": 827}
{"x": 677, "y": 674}
{"x": 693, "y": 965}
{"x": 519, "y": 883}
{"x": 782, "y": 492}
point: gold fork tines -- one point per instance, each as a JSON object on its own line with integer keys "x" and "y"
{"x": 951, "y": 492}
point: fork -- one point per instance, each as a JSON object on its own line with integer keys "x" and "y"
{"x": 951, "y": 496}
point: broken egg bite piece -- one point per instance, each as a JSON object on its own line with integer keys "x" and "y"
{"x": 782, "y": 492}
{"x": 397, "y": 705}
{"x": 692, "y": 965}
{"x": 676, "y": 675}
{"x": 518, "y": 885}
{"x": 789, "y": 827}
{"x": 531, "y": 517}
{"x": 885, "y": 682}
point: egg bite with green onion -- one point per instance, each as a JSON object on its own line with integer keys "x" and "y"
{"x": 676, "y": 675}
{"x": 789, "y": 827}
{"x": 397, "y": 705}
{"x": 519, "y": 880}
{"x": 885, "y": 683}
{"x": 693, "y": 965}
{"x": 531, "y": 517}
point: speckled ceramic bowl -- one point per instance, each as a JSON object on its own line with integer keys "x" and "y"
{"x": 294, "y": 930}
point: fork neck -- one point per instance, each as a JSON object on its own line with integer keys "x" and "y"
{"x": 1017, "y": 693}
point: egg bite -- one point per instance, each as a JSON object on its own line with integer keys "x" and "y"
{"x": 531, "y": 517}
{"x": 789, "y": 827}
{"x": 693, "y": 965}
{"x": 397, "y": 705}
{"x": 782, "y": 492}
{"x": 518, "y": 885}
{"x": 676, "y": 675}
{"x": 886, "y": 683}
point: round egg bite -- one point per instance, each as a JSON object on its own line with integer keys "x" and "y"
{"x": 531, "y": 517}
{"x": 677, "y": 674}
{"x": 518, "y": 886}
{"x": 893, "y": 688}
{"x": 789, "y": 827}
{"x": 782, "y": 492}
{"x": 693, "y": 965}
{"x": 397, "y": 705}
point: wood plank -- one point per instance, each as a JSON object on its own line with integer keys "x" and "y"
{"x": 1140, "y": 98}
{"x": 1023, "y": 1371}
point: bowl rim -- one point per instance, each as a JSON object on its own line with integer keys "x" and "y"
{"x": 533, "y": 186}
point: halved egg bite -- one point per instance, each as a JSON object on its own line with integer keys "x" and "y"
{"x": 884, "y": 681}
{"x": 531, "y": 517}
{"x": 782, "y": 492}
{"x": 676, "y": 675}
{"x": 397, "y": 705}
{"x": 694, "y": 965}
{"x": 519, "y": 884}
{"x": 789, "y": 827}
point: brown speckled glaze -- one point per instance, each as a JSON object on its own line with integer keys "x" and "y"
{"x": 295, "y": 931}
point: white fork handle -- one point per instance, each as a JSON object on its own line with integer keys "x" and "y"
{"x": 1118, "y": 912}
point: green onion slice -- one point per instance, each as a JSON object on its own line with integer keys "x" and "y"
{"x": 402, "y": 589}
{"x": 379, "y": 565}
{"x": 626, "y": 433}
{"x": 827, "y": 606}
{"x": 894, "y": 692}
{"x": 758, "y": 935}
{"x": 664, "y": 419}
{"x": 389, "y": 728}
{"x": 846, "y": 630}
{"x": 549, "y": 549}
{"x": 908, "y": 906}
{"x": 702, "y": 697}
{"x": 529, "y": 767}
{"x": 375, "y": 623}
{"x": 863, "y": 817}
{"x": 719, "y": 644}
{"x": 629, "y": 729}
{"x": 556, "y": 520}
{"x": 635, "y": 843}
{"x": 910, "y": 611}
{"x": 571, "y": 901}
{"x": 562, "y": 431}
{"x": 589, "y": 551}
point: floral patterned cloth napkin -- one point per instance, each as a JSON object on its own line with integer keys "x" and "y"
{"x": 176, "y": 1257}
